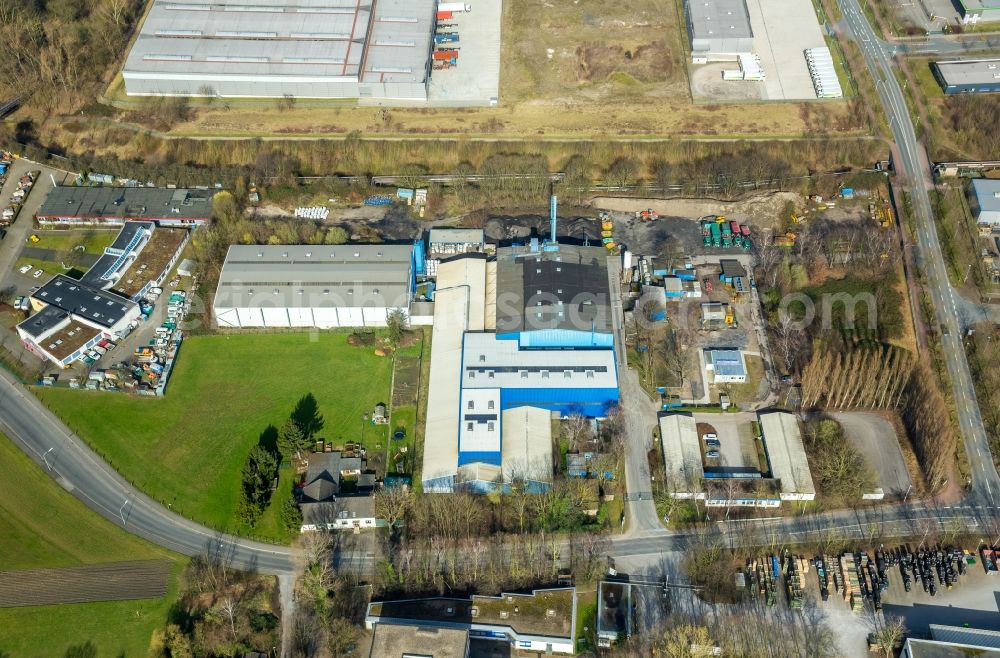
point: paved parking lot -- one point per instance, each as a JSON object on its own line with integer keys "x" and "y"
{"x": 783, "y": 30}
{"x": 737, "y": 448}
{"x": 18, "y": 232}
{"x": 475, "y": 80}
{"x": 875, "y": 436}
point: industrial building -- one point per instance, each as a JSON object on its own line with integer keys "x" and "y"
{"x": 318, "y": 286}
{"x": 517, "y": 340}
{"x": 379, "y": 50}
{"x": 687, "y": 477}
{"x": 543, "y": 621}
{"x": 786, "y": 455}
{"x": 976, "y": 11}
{"x": 683, "y": 466}
{"x": 117, "y": 205}
{"x": 954, "y": 642}
{"x": 726, "y": 366}
{"x": 139, "y": 259}
{"x": 968, "y": 76}
{"x": 718, "y": 29}
{"x": 554, "y": 297}
{"x": 72, "y": 316}
{"x": 984, "y": 201}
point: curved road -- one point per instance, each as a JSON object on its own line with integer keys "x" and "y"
{"x": 79, "y": 470}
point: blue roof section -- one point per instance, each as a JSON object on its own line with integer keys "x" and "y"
{"x": 565, "y": 338}
{"x": 479, "y": 458}
{"x": 591, "y": 402}
{"x": 728, "y": 363}
{"x": 986, "y": 191}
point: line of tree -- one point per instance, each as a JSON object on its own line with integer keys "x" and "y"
{"x": 927, "y": 418}
{"x": 856, "y": 378}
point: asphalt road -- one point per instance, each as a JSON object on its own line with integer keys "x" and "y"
{"x": 912, "y": 164}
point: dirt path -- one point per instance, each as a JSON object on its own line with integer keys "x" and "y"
{"x": 762, "y": 209}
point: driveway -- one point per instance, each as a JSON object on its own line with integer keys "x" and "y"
{"x": 875, "y": 436}
{"x": 18, "y": 232}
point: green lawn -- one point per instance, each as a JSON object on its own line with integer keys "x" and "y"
{"x": 187, "y": 448}
{"x": 269, "y": 524}
{"x": 92, "y": 241}
{"x": 43, "y": 526}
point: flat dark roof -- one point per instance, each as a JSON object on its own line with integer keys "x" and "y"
{"x": 126, "y": 203}
{"x": 553, "y": 289}
{"x": 100, "y": 307}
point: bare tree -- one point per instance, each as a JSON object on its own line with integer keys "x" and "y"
{"x": 888, "y": 635}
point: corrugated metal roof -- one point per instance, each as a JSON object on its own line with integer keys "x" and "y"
{"x": 972, "y": 636}
{"x": 456, "y": 236}
{"x": 987, "y": 193}
{"x": 681, "y": 451}
{"x": 527, "y": 444}
{"x": 315, "y": 276}
{"x": 718, "y": 19}
{"x": 492, "y": 363}
{"x": 444, "y": 390}
{"x": 385, "y": 41}
{"x": 970, "y": 71}
{"x": 785, "y": 452}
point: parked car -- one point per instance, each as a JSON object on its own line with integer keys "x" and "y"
{"x": 712, "y": 454}
{"x": 711, "y": 436}
{"x": 37, "y": 273}
{"x": 712, "y": 442}
{"x": 24, "y": 269}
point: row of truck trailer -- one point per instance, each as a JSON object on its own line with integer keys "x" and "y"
{"x": 445, "y": 53}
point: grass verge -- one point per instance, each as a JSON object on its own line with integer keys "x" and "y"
{"x": 187, "y": 449}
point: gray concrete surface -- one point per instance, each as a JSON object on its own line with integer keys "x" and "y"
{"x": 476, "y": 78}
{"x": 735, "y": 437}
{"x": 783, "y": 30}
{"x": 875, "y": 436}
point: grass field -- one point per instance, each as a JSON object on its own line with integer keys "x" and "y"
{"x": 43, "y": 526}
{"x": 63, "y": 243}
{"x": 187, "y": 448}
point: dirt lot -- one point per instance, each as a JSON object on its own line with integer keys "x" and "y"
{"x": 118, "y": 581}
{"x": 707, "y": 84}
{"x": 591, "y": 51}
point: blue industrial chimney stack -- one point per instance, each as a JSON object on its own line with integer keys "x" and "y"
{"x": 552, "y": 218}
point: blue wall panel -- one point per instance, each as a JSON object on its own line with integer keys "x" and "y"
{"x": 482, "y": 457}
{"x": 565, "y": 338}
{"x": 591, "y": 402}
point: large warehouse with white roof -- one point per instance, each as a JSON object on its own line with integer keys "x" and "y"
{"x": 314, "y": 285}
{"x": 380, "y": 49}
